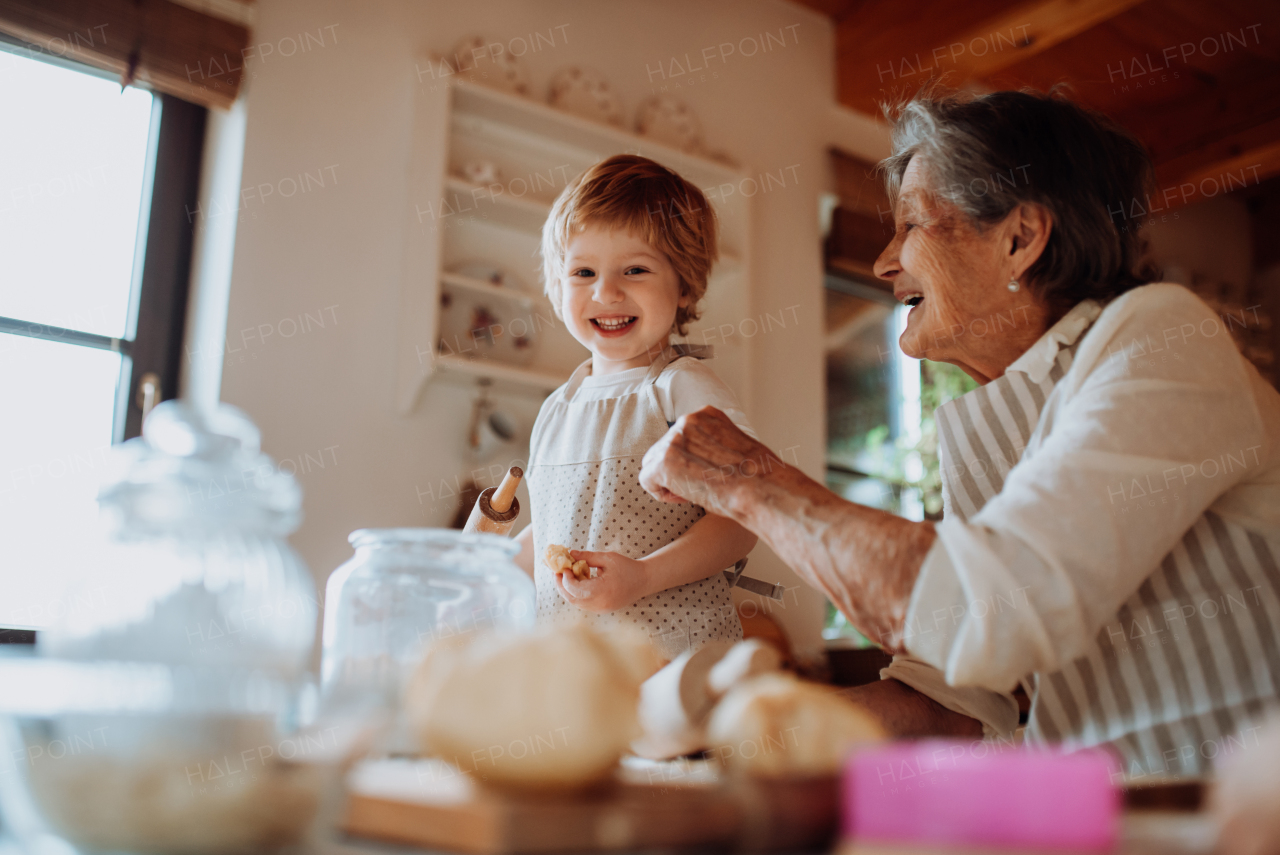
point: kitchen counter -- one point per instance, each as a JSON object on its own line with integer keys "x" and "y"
{"x": 1145, "y": 833}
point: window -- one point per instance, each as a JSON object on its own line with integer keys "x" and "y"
{"x": 873, "y": 399}
{"x": 882, "y": 445}
{"x": 95, "y": 186}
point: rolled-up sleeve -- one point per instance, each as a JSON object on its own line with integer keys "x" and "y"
{"x": 1155, "y": 421}
{"x": 996, "y": 711}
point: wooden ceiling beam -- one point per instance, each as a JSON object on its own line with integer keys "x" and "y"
{"x": 1181, "y": 128}
{"x": 836, "y": 10}
{"x": 884, "y": 53}
{"x": 1044, "y": 23}
{"x": 1235, "y": 162}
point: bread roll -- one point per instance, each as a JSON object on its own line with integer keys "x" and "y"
{"x": 675, "y": 703}
{"x": 553, "y": 708}
{"x": 745, "y": 660}
{"x": 776, "y": 724}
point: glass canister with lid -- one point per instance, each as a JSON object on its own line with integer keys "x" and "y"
{"x": 405, "y": 588}
{"x": 166, "y": 710}
{"x": 194, "y": 568}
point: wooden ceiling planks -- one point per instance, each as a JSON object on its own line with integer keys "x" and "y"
{"x": 1038, "y": 26}
{"x": 885, "y": 48}
{"x": 1198, "y": 82}
{"x": 1249, "y": 156}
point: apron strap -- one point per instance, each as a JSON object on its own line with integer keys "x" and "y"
{"x": 673, "y": 352}
{"x": 575, "y": 379}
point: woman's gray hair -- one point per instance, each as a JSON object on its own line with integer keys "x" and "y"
{"x": 988, "y": 154}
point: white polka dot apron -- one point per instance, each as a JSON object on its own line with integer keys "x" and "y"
{"x": 584, "y": 482}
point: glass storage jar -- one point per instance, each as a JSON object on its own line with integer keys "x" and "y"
{"x": 194, "y": 568}
{"x": 165, "y": 711}
{"x": 403, "y": 589}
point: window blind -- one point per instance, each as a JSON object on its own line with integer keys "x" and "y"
{"x": 862, "y": 223}
{"x": 166, "y": 46}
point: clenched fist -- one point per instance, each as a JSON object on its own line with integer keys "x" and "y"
{"x": 702, "y": 459}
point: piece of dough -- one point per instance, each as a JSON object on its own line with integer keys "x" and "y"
{"x": 777, "y": 724}
{"x": 556, "y": 707}
{"x": 675, "y": 703}
{"x": 745, "y": 660}
{"x": 557, "y": 557}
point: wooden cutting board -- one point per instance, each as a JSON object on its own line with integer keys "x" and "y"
{"x": 650, "y": 805}
{"x": 1142, "y": 833}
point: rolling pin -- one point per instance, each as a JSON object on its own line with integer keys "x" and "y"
{"x": 497, "y": 508}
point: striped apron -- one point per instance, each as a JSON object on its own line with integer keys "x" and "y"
{"x": 1190, "y": 665}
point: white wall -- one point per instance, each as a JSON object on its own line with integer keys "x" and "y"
{"x": 333, "y": 254}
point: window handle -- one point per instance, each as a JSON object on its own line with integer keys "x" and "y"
{"x": 148, "y": 392}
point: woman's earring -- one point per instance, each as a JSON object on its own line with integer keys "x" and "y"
{"x": 1013, "y": 285}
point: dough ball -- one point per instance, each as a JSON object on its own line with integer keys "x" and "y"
{"x": 553, "y": 708}
{"x": 1246, "y": 794}
{"x": 776, "y": 724}
{"x": 745, "y": 660}
{"x": 675, "y": 703}
{"x": 557, "y": 557}
{"x": 423, "y": 685}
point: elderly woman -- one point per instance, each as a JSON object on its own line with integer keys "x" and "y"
{"x": 1111, "y": 490}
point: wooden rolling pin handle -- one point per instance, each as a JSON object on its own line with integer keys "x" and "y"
{"x": 497, "y": 508}
{"x": 506, "y": 491}
{"x": 486, "y": 520}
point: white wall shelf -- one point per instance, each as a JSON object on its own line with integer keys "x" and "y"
{"x": 514, "y": 211}
{"x": 583, "y": 135}
{"x": 530, "y": 378}
{"x": 479, "y": 286}
{"x": 537, "y": 150}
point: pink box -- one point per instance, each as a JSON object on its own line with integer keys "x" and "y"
{"x": 958, "y": 794}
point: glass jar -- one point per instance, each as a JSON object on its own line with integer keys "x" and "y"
{"x": 167, "y": 710}
{"x": 193, "y": 568}
{"x": 407, "y": 587}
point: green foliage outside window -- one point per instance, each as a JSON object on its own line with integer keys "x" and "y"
{"x": 890, "y": 460}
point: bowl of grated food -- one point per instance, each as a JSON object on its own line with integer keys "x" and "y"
{"x": 146, "y": 758}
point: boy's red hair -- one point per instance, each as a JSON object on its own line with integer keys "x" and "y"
{"x": 636, "y": 194}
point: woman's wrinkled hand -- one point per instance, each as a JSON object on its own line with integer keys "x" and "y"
{"x": 620, "y": 582}
{"x": 700, "y": 458}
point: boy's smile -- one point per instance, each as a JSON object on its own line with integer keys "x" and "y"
{"x": 619, "y": 298}
{"x": 611, "y": 325}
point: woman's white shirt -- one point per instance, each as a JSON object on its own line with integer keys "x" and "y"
{"x": 1158, "y": 420}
